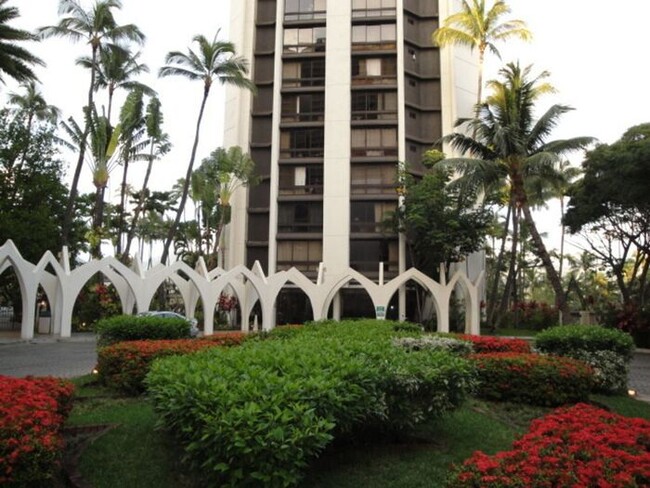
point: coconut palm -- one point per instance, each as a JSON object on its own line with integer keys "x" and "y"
{"x": 509, "y": 147}
{"x": 98, "y": 28}
{"x": 15, "y": 61}
{"x": 159, "y": 145}
{"x": 215, "y": 60}
{"x": 478, "y": 27}
{"x": 116, "y": 69}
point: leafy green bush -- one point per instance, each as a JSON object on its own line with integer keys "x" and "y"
{"x": 134, "y": 328}
{"x": 123, "y": 366}
{"x": 257, "y": 414}
{"x": 535, "y": 379}
{"x": 449, "y": 344}
{"x": 608, "y": 351}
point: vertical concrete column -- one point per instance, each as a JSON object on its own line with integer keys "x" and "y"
{"x": 336, "y": 192}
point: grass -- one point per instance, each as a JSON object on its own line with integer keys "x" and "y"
{"x": 135, "y": 454}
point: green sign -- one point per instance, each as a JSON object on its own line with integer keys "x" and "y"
{"x": 380, "y": 312}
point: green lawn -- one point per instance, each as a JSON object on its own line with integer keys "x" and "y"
{"x": 135, "y": 454}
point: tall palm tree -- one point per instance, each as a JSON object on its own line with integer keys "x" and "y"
{"x": 116, "y": 69}
{"x": 215, "y": 60}
{"x": 98, "y": 28}
{"x": 15, "y": 61}
{"x": 159, "y": 145}
{"x": 510, "y": 146}
{"x": 478, "y": 27}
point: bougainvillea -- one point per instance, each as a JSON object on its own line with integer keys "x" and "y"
{"x": 535, "y": 379}
{"x": 32, "y": 412}
{"x": 494, "y": 344}
{"x": 579, "y": 446}
{"x": 125, "y": 365}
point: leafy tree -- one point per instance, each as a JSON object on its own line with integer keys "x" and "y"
{"x": 215, "y": 60}
{"x": 610, "y": 206}
{"x": 15, "y": 61}
{"x": 476, "y": 26}
{"x": 98, "y": 28}
{"x": 509, "y": 146}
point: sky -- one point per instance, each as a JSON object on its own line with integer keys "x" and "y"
{"x": 594, "y": 51}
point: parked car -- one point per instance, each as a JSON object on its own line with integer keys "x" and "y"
{"x": 194, "y": 329}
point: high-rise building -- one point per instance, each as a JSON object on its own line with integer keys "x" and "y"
{"x": 347, "y": 89}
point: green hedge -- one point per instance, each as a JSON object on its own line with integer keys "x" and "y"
{"x": 256, "y": 415}
{"x": 534, "y": 379}
{"x": 134, "y": 328}
{"x": 608, "y": 351}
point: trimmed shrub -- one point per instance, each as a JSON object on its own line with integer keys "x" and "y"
{"x": 577, "y": 446}
{"x": 532, "y": 378}
{"x": 256, "y": 415}
{"x": 32, "y": 413}
{"x": 135, "y": 328}
{"x": 608, "y": 351}
{"x": 124, "y": 366}
{"x": 455, "y": 346}
{"x": 484, "y": 344}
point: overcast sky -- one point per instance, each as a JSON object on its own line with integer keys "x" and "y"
{"x": 595, "y": 50}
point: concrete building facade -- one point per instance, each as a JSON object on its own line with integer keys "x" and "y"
{"x": 347, "y": 91}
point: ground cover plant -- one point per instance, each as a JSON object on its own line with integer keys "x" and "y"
{"x": 125, "y": 365}
{"x": 250, "y": 416}
{"x": 32, "y": 413}
{"x": 581, "y": 445}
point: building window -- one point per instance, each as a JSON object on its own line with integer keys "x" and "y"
{"x": 301, "y": 180}
{"x": 365, "y": 255}
{"x": 374, "y": 105}
{"x": 371, "y": 217}
{"x": 304, "y": 255}
{"x": 374, "y": 142}
{"x": 304, "y": 40}
{"x": 373, "y": 8}
{"x": 370, "y": 179}
{"x": 308, "y": 72}
{"x": 306, "y": 107}
{"x": 374, "y": 37}
{"x": 302, "y": 143}
{"x": 374, "y": 71}
{"x": 300, "y": 217}
{"x": 304, "y": 9}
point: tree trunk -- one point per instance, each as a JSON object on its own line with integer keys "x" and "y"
{"x": 120, "y": 222}
{"x": 494, "y": 289}
{"x": 140, "y": 205}
{"x": 512, "y": 266}
{"x": 186, "y": 185}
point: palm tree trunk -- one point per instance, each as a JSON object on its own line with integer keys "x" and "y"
{"x": 140, "y": 205}
{"x": 186, "y": 184}
{"x": 492, "y": 294}
{"x": 70, "y": 207}
{"x": 507, "y": 289}
{"x": 120, "y": 222}
{"x": 98, "y": 220}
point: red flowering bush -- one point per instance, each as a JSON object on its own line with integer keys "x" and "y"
{"x": 32, "y": 411}
{"x": 486, "y": 344}
{"x": 125, "y": 365}
{"x": 532, "y": 378}
{"x": 580, "y": 446}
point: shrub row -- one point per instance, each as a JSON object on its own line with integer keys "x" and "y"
{"x": 257, "y": 414}
{"x": 133, "y": 328}
{"x": 492, "y": 344}
{"x": 32, "y": 412}
{"x": 578, "y": 446}
{"x": 532, "y": 378}
{"x": 608, "y": 351}
{"x": 124, "y": 366}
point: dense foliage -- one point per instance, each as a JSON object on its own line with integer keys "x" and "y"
{"x": 132, "y": 328}
{"x": 250, "y": 416}
{"x": 578, "y": 446}
{"x": 483, "y": 344}
{"x": 534, "y": 379}
{"x": 32, "y": 413}
{"x": 124, "y": 366}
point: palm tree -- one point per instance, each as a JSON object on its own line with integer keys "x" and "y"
{"x": 159, "y": 145}
{"x": 509, "y": 147}
{"x": 477, "y": 27}
{"x": 116, "y": 69}
{"x": 214, "y": 60}
{"x": 98, "y": 28}
{"x": 15, "y": 61}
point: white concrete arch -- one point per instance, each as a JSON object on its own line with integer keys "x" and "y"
{"x": 371, "y": 288}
